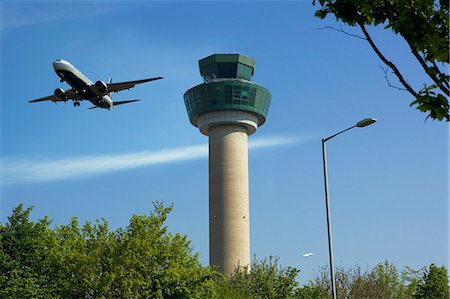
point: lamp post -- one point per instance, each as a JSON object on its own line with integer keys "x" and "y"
{"x": 363, "y": 123}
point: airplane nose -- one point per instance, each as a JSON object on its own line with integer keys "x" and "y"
{"x": 60, "y": 64}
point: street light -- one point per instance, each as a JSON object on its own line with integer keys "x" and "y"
{"x": 363, "y": 123}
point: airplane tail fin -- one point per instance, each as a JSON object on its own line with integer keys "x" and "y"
{"x": 109, "y": 82}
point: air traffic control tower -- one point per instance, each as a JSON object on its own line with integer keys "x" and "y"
{"x": 228, "y": 107}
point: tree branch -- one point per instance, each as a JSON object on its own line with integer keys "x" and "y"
{"x": 393, "y": 13}
{"x": 387, "y": 62}
{"x": 440, "y": 73}
{"x": 342, "y": 31}
{"x": 427, "y": 69}
{"x": 387, "y": 79}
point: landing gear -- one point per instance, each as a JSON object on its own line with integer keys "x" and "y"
{"x": 76, "y": 104}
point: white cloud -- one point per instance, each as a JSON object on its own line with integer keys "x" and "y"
{"x": 16, "y": 170}
{"x": 25, "y": 13}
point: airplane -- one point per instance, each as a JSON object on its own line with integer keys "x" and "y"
{"x": 99, "y": 94}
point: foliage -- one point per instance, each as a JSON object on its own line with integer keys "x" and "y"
{"x": 382, "y": 281}
{"x": 310, "y": 291}
{"x": 433, "y": 284}
{"x": 423, "y": 24}
{"x": 266, "y": 279}
{"x": 144, "y": 260}
{"x": 141, "y": 261}
{"x": 23, "y": 248}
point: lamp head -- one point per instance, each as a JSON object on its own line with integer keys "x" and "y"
{"x": 365, "y": 122}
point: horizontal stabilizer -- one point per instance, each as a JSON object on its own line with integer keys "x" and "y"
{"x": 118, "y": 103}
{"x": 49, "y": 98}
{"x": 124, "y": 102}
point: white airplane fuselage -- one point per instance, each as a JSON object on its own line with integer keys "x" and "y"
{"x": 68, "y": 73}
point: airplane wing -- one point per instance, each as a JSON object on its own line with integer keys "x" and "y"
{"x": 115, "y": 87}
{"x": 70, "y": 94}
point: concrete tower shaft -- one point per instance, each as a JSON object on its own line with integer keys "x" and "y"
{"x": 228, "y": 108}
{"x": 229, "y": 226}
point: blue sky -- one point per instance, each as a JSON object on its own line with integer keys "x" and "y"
{"x": 388, "y": 182}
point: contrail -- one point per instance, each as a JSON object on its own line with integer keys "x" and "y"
{"x": 17, "y": 170}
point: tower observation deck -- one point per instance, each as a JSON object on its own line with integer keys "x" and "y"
{"x": 228, "y": 107}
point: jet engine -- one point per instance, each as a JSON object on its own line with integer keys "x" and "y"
{"x": 60, "y": 94}
{"x": 101, "y": 86}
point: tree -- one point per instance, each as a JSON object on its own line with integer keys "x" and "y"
{"x": 143, "y": 260}
{"x": 24, "y": 257}
{"x": 434, "y": 284}
{"x": 382, "y": 281}
{"x": 423, "y": 24}
{"x": 311, "y": 291}
{"x": 266, "y": 279}
{"x": 409, "y": 281}
{"x": 152, "y": 263}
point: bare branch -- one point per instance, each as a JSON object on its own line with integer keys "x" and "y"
{"x": 386, "y": 61}
{"x": 342, "y": 31}
{"x": 387, "y": 79}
